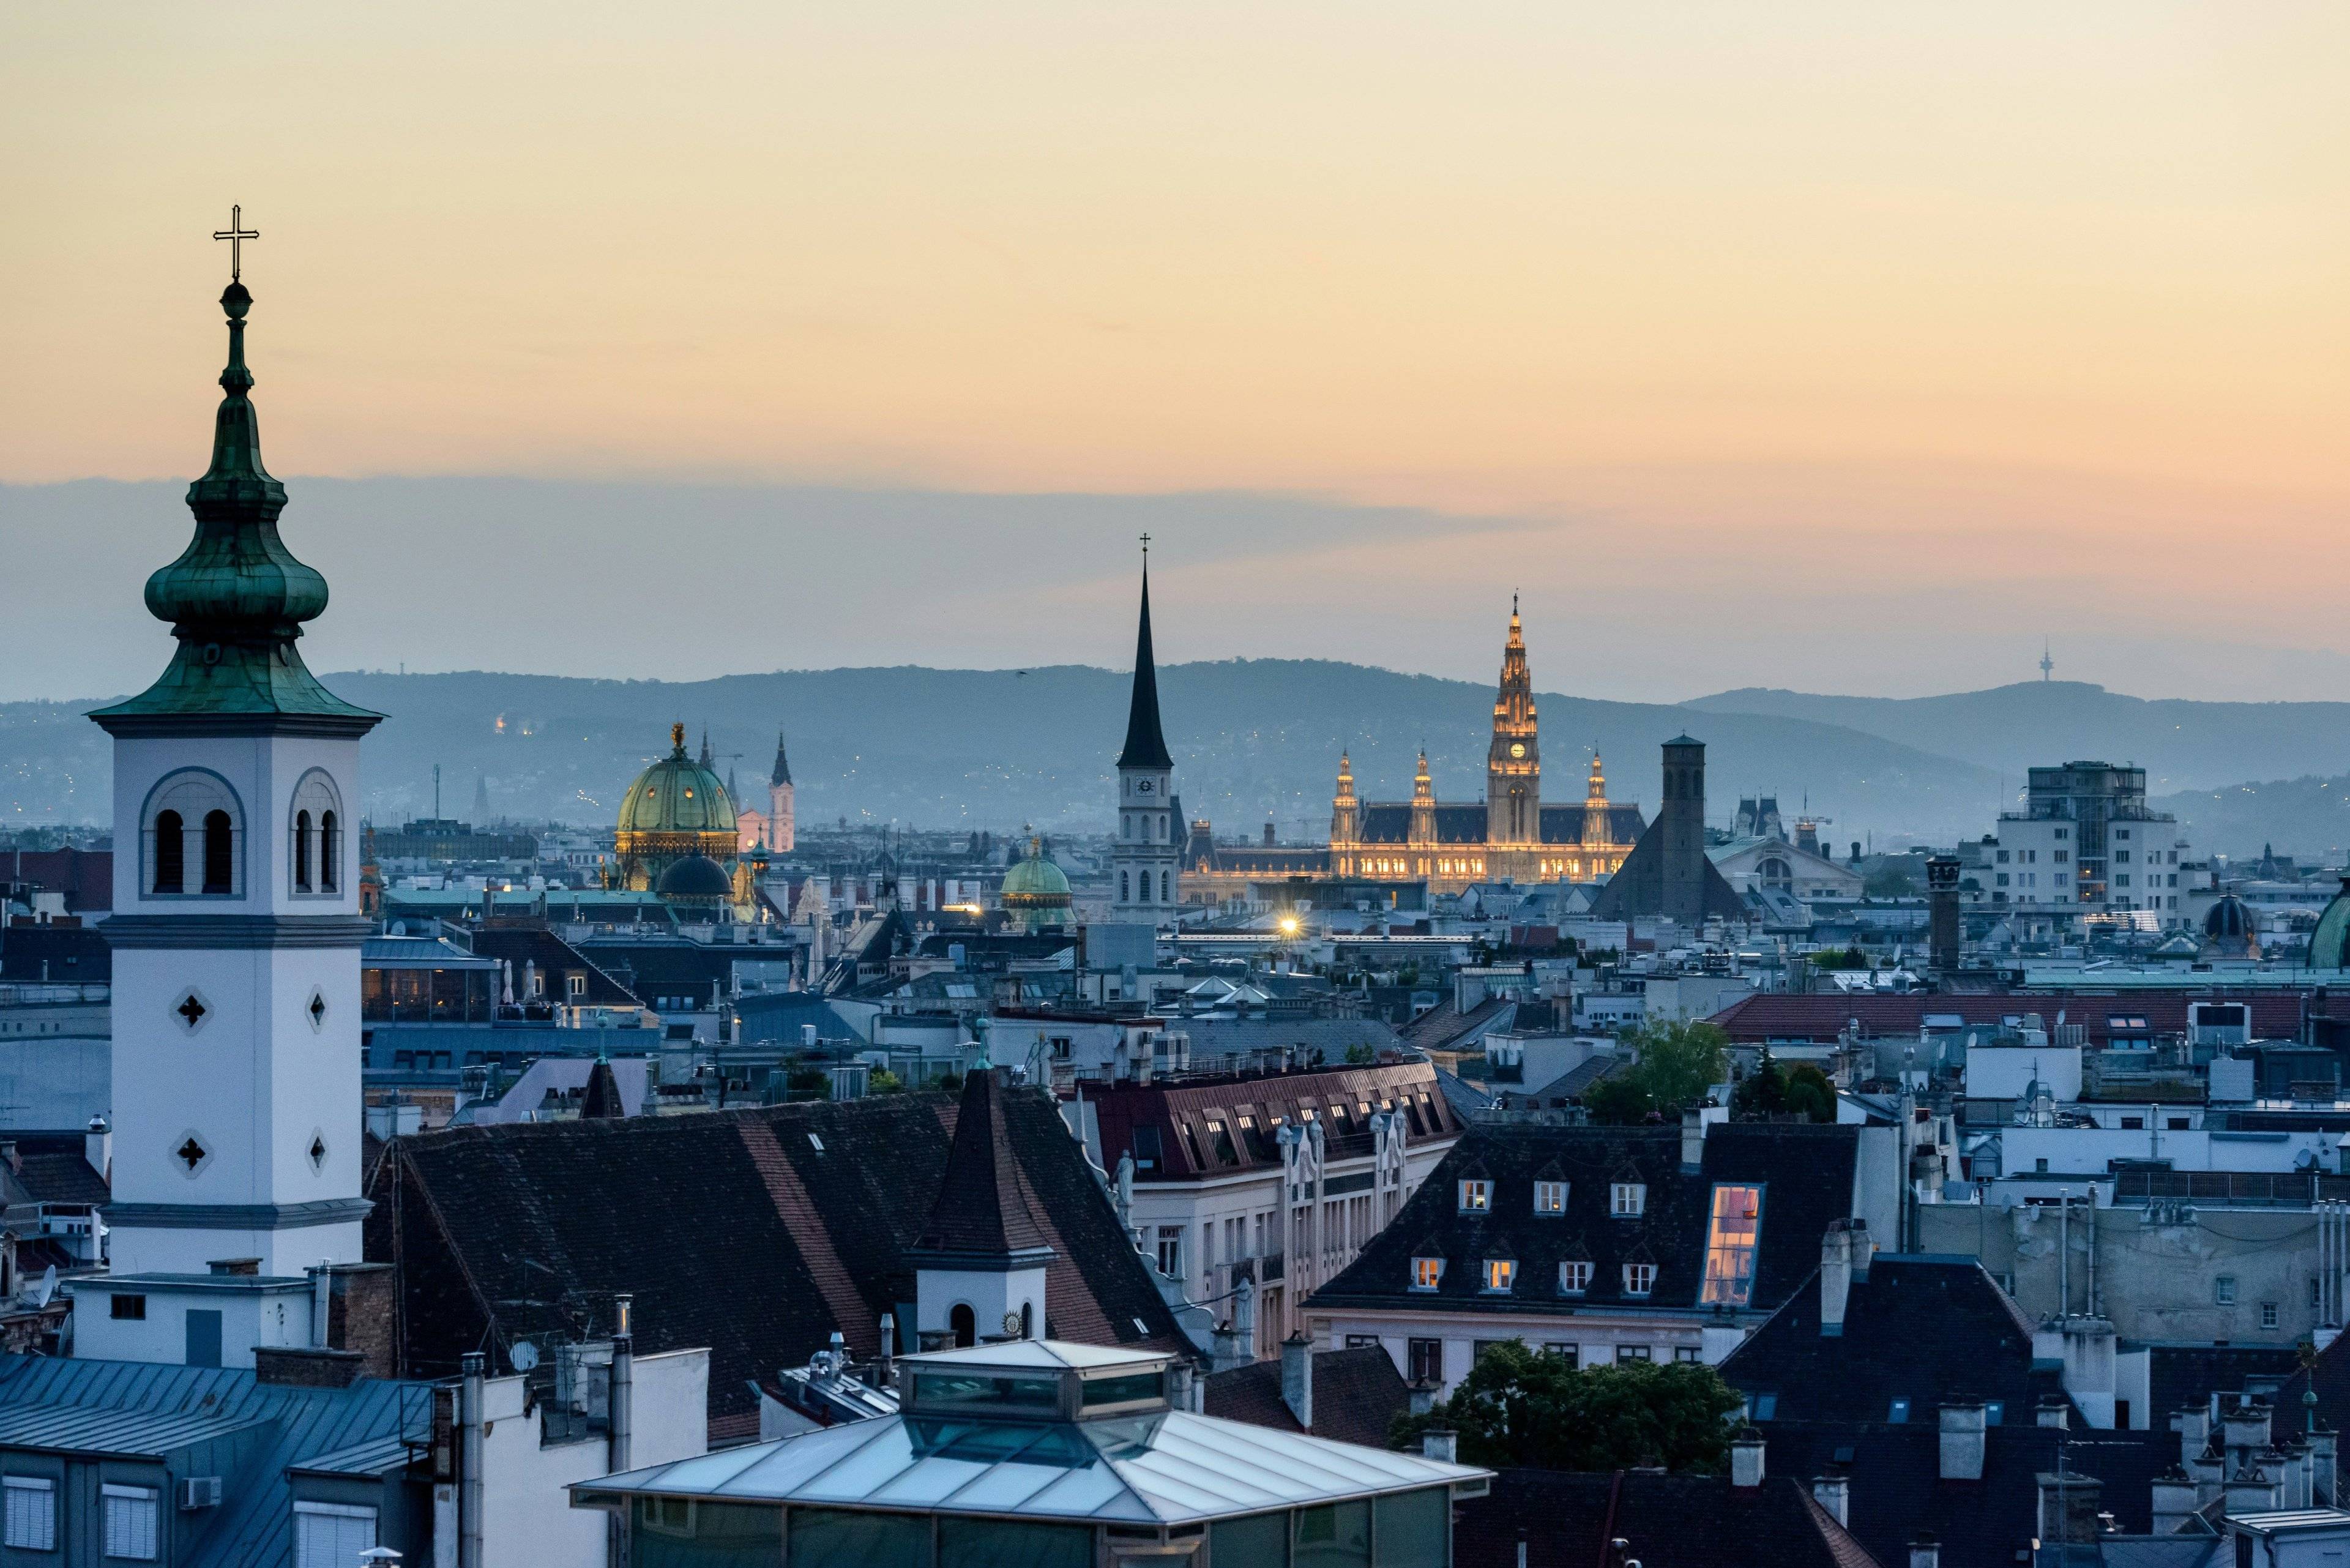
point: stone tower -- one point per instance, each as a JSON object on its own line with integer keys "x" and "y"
{"x": 236, "y": 939}
{"x": 1346, "y": 811}
{"x": 1513, "y": 762}
{"x": 1420, "y": 829}
{"x": 781, "y": 831}
{"x": 1681, "y": 824}
{"x": 1144, "y": 870}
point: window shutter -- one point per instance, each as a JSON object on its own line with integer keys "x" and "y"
{"x": 331, "y": 1535}
{"x": 32, "y": 1514}
{"x": 130, "y": 1522}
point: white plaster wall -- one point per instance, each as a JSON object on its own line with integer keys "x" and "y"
{"x": 527, "y": 1514}
{"x": 248, "y": 1318}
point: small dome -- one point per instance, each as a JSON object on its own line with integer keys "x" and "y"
{"x": 695, "y": 876}
{"x": 2227, "y": 919}
{"x": 677, "y": 794}
{"x": 1036, "y": 878}
{"x": 2329, "y": 944}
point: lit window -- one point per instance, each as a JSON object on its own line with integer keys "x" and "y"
{"x": 1627, "y": 1199}
{"x": 1503, "y": 1273}
{"x": 1476, "y": 1197}
{"x": 1574, "y": 1278}
{"x": 1549, "y": 1197}
{"x": 1426, "y": 1272}
{"x": 1639, "y": 1279}
{"x": 1729, "y": 1246}
{"x": 1898, "y": 1412}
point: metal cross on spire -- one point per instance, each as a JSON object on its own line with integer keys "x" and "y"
{"x": 236, "y": 234}
{"x": 1145, "y": 543}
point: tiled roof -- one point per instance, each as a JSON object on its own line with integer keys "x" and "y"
{"x": 1768, "y": 1016}
{"x": 50, "y": 1167}
{"x": 755, "y": 1233}
{"x": 1357, "y": 1395}
{"x": 1572, "y": 825}
{"x": 1807, "y": 1173}
{"x": 1184, "y": 1131}
{"x": 1563, "y": 1520}
{"x": 981, "y": 1208}
{"x": 85, "y": 876}
{"x": 520, "y": 946}
{"x": 2179, "y": 1375}
{"x": 1442, "y": 1029}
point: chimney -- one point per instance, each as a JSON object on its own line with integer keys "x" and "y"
{"x": 620, "y": 1401}
{"x": 1441, "y": 1443}
{"x": 1963, "y": 1426}
{"x": 1942, "y": 915}
{"x": 1835, "y": 1278}
{"x": 2193, "y": 1424}
{"x": 1925, "y": 1551}
{"x": 1746, "y": 1458}
{"x": 1833, "y": 1492}
{"x": 1864, "y": 1250}
{"x": 322, "y": 1304}
{"x": 1423, "y": 1396}
{"x": 2055, "y": 1411}
{"x": 2173, "y": 1498}
{"x": 2248, "y": 1427}
{"x": 98, "y": 1147}
{"x": 2322, "y": 1478}
{"x": 472, "y": 1365}
{"x": 1298, "y": 1378}
{"x": 2068, "y": 1509}
{"x": 1692, "y": 1140}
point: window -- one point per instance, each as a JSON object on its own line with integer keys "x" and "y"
{"x": 1476, "y": 1197}
{"x": 1574, "y": 1278}
{"x": 1626, "y": 1355}
{"x": 1566, "y": 1351}
{"x": 1425, "y": 1360}
{"x": 2223, "y": 1290}
{"x": 1362, "y": 1342}
{"x": 1729, "y": 1244}
{"x": 170, "y": 852}
{"x": 1501, "y": 1274}
{"x": 1761, "y": 1406}
{"x": 32, "y": 1513}
{"x": 1550, "y": 1198}
{"x": 1166, "y": 893}
{"x": 1170, "y": 1250}
{"x": 129, "y": 1522}
{"x": 1639, "y": 1279}
{"x": 332, "y": 1534}
{"x": 330, "y": 853}
{"x": 1481, "y": 1348}
{"x": 301, "y": 851}
{"x": 201, "y": 802}
{"x": 1685, "y": 1353}
{"x": 1123, "y": 885}
{"x": 2268, "y": 1314}
{"x": 1994, "y": 1413}
{"x": 1221, "y": 1136}
{"x": 1426, "y": 1272}
{"x": 1627, "y": 1199}
{"x": 1898, "y": 1412}
{"x": 129, "y": 1307}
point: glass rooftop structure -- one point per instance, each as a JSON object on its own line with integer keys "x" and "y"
{"x": 1046, "y": 1455}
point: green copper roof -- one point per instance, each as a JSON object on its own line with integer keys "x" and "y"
{"x": 1035, "y": 881}
{"x": 677, "y": 794}
{"x": 236, "y": 597}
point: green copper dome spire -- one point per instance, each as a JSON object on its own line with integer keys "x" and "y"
{"x": 236, "y": 597}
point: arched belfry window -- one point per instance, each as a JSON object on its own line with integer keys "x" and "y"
{"x": 195, "y": 804}
{"x": 964, "y": 1325}
{"x": 314, "y": 849}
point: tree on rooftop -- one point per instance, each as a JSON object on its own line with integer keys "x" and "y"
{"x": 1679, "y": 1063}
{"x": 1618, "y": 1102}
{"x": 1526, "y": 1408}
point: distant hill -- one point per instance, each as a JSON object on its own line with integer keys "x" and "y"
{"x": 2183, "y": 746}
{"x": 2309, "y": 817}
{"x": 937, "y": 748}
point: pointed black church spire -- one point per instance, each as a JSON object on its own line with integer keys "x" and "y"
{"x": 1146, "y": 745}
{"x": 783, "y": 774}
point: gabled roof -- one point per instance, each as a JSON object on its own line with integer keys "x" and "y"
{"x": 522, "y": 946}
{"x": 981, "y": 1208}
{"x": 1357, "y": 1395}
{"x": 49, "y": 1168}
{"x": 1806, "y": 1174}
{"x": 754, "y": 1232}
{"x": 1563, "y": 1520}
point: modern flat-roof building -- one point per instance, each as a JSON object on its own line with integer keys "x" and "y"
{"x": 1049, "y": 1455}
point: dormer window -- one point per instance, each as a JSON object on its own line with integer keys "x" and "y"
{"x": 1426, "y": 1272}
{"x": 1639, "y": 1279}
{"x": 1501, "y": 1274}
{"x": 1627, "y": 1199}
{"x": 1574, "y": 1277}
{"x": 1476, "y": 1196}
{"x": 1550, "y": 1199}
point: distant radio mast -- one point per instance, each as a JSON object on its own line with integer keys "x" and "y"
{"x": 2046, "y": 663}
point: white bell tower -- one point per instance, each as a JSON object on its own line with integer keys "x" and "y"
{"x": 236, "y": 932}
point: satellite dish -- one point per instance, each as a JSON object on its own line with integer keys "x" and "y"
{"x": 524, "y": 1355}
{"x": 48, "y": 1290}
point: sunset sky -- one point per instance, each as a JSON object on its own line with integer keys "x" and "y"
{"x": 1844, "y": 346}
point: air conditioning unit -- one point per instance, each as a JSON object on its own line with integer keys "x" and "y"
{"x": 199, "y": 1492}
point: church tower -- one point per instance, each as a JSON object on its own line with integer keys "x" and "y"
{"x": 1513, "y": 763}
{"x": 1346, "y": 811}
{"x": 236, "y": 933}
{"x": 1420, "y": 829}
{"x": 1144, "y": 872}
{"x": 780, "y": 829}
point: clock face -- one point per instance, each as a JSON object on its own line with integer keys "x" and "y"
{"x": 1012, "y": 1323}
{"x": 1517, "y": 748}
{"x": 1144, "y": 787}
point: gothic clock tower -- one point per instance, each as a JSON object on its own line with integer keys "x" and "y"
{"x": 236, "y": 932}
{"x": 1144, "y": 870}
{"x": 1513, "y": 763}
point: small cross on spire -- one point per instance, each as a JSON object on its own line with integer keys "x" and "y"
{"x": 1145, "y": 543}
{"x": 236, "y": 234}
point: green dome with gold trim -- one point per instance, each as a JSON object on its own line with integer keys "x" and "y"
{"x": 677, "y": 794}
{"x": 1035, "y": 892}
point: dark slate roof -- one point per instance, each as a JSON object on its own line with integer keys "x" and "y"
{"x": 1928, "y": 1329}
{"x": 2332, "y": 1374}
{"x": 85, "y": 876}
{"x": 2181, "y": 1375}
{"x": 1898, "y": 1490}
{"x": 603, "y": 1096}
{"x": 1357, "y": 1395}
{"x": 55, "y": 955}
{"x": 1384, "y": 822}
{"x": 252, "y": 1528}
{"x": 755, "y": 1233}
{"x": 1146, "y": 743}
{"x": 1638, "y": 888}
{"x": 49, "y": 1168}
{"x": 1764, "y": 1017}
{"x": 1572, "y": 825}
{"x": 520, "y": 945}
{"x": 1807, "y": 1173}
{"x": 1441, "y": 1029}
{"x": 981, "y": 1208}
{"x": 1173, "y": 1128}
{"x": 1563, "y": 1520}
